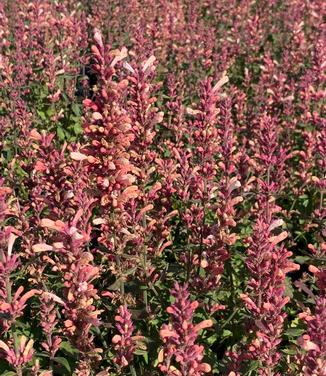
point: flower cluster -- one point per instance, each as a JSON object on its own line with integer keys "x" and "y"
{"x": 124, "y": 342}
{"x": 162, "y": 154}
{"x": 181, "y": 355}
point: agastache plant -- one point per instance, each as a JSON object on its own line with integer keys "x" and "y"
{"x": 108, "y": 128}
{"x": 313, "y": 360}
{"x": 17, "y": 351}
{"x": 195, "y": 184}
{"x": 147, "y": 144}
{"x": 181, "y": 355}
{"x": 78, "y": 273}
{"x": 124, "y": 342}
{"x": 266, "y": 293}
{"x": 49, "y": 320}
{"x": 266, "y": 298}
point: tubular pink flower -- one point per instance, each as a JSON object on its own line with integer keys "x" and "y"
{"x": 180, "y": 354}
{"x": 18, "y": 356}
{"x": 124, "y": 343}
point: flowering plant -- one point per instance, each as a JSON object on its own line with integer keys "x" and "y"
{"x": 162, "y": 188}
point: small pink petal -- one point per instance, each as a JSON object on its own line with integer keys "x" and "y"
{"x": 42, "y": 247}
{"x": 77, "y": 156}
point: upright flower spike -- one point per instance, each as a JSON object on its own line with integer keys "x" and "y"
{"x": 313, "y": 342}
{"x": 12, "y": 303}
{"x": 274, "y": 52}
{"x": 76, "y": 264}
{"x": 16, "y": 304}
{"x": 124, "y": 342}
{"x": 198, "y": 143}
{"x": 270, "y": 155}
{"x": 8, "y": 260}
{"x": 49, "y": 321}
{"x": 107, "y": 127}
{"x": 228, "y": 185}
{"x": 267, "y": 261}
{"x": 181, "y": 355}
{"x": 268, "y": 264}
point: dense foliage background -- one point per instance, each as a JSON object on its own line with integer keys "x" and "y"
{"x": 162, "y": 191}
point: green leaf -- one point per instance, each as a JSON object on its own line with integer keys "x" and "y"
{"x": 294, "y": 332}
{"x": 212, "y": 339}
{"x": 50, "y": 111}
{"x": 252, "y": 367}
{"x": 75, "y": 109}
{"x": 64, "y": 362}
{"x": 41, "y": 114}
{"x": 143, "y": 353}
{"x": 77, "y": 128}
{"x": 290, "y": 351}
{"x": 61, "y": 133}
{"x": 288, "y": 287}
{"x": 66, "y": 346}
{"x": 115, "y": 285}
{"x": 130, "y": 271}
{"x": 226, "y": 333}
{"x": 301, "y": 259}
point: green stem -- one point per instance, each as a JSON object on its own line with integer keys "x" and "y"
{"x": 133, "y": 371}
{"x": 230, "y": 317}
{"x": 228, "y": 267}
{"x": 13, "y": 325}
{"x": 321, "y": 204}
{"x": 145, "y": 293}
{"x": 268, "y": 194}
{"x": 189, "y": 263}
